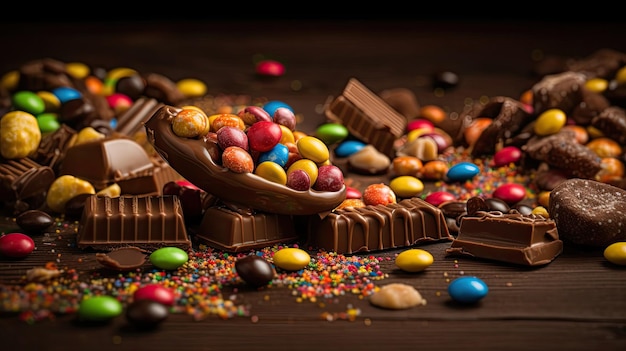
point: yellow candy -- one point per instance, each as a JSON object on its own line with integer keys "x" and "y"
{"x": 88, "y": 134}
{"x": 19, "y": 135}
{"x": 616, "y": 253}
{"x": 287, "y": 136}
{"x": 542, "y": 211}
{"x": 313, "y": 148}
{"x": 550, "y": 122}
{"x": 597, "y": 85}
{"x": 63, "y": 189}
{"x": 620, "y": 76}
{"x": 414, "y": 260}
{"x": 51, "y": 101}
{"x": 271, "y": 171}
{"x": 291, "y": 259}
{"x": 191, "y": 87}
{"x": 10, "y": 80}
{"x": 306, "y": 165}
{"x": 406, "y": 186}
{"x": 77, "y": 70}
{"x": 190, "y": 123}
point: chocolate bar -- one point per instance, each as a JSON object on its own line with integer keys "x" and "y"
{"x": 528, "y": 240}
{"x": 24, "y": 183}
{"x": 131, "y": 121}
{"x": 112, "y": 160}
{"x": 367, "y": 117}
{"x": 233, "y": 231}
{"x": 147, "y": 222}
{"x": 371, "y": 228}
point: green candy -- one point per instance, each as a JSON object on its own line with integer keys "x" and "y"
{"x": 99, "y": 308}
{"x": 331, "y": 133}
{"x": 28, "y": 101}
{"x": 169, "y": 257}
{"x": 48, "y": 122}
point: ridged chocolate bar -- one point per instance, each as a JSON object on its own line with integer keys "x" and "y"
{"x": 372, "y": 228}
{"x": 24, "y": 183}
{"x": 147, "y": 222}
{"x": 232, "y": 231}
{"x": 367, "y": 117}
{"x": 528, "y": 240}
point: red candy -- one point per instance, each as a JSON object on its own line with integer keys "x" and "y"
{"x": 436, "y": 198}
{"x": 506, "y": 156}
{"x": 510, "y": 193}
{"x": 16, "y": 245}
{"x": 264, "y": 135}
{"x": 270, "y": 68}
{"x": 353, "y": 193}
{"x": 155, "y": 292}
{"x": 329, "y": 178}
{"x": 421, "y": 123}
{"x": 379, "y": 194}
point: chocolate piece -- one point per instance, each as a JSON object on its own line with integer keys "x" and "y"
{"x": 371, "y": 228}
{"x": 192, "y": 159}
{"x": 563, "y": 152}
{"x": 562, "y": 91}
{"x": 123, "y": 258}
{"x": 402, "y": 100}
{"x": 367, "y": 117}
{"x": 513, "y": 238}
{"x": 590, "y": 105}
{"x": 106, "y": 161}
{"x": 163, "y": 89}
{"x": 24, "y": 183}
{"x": 53, "y": 146}
{"x": 147, "y": 222}
{"x": 509, "y": 116}
{"x": 131, "y": 121}
{"x": 603, "y": 63}
{"x": 233, "y": 231}
{"x": 588, "y": 212}
{"x": 612, "y": 123}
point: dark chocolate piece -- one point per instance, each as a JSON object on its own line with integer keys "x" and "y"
{"x": 24, "y": 183}
{"x": 234, "y": 231}
{"x": 367, "y": 117}
{"x": 147, "y": 222}
{"x": 123, "y": 258}
{"x": 612, "y": 123}
{"x": 112, "y": 160}
{"x": 528, "y": 240}
{"x": 603, "y": 63}
{"x": 372, "y": 228}
{"x": 588, "y": 212}
{"x": 192, "y": 159}
{"x": 53, "y": 146}
{"x": 562, "y": 91}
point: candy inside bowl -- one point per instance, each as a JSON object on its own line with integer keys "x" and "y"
{"x": 194, "y": 158}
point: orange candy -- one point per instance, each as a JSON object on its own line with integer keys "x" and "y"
{"x": 406, "y": 165}
{"x": 475, "y": 129}
{"x": 605, "y": 147}
{"x": 237, "y": 160}
{"x": 434, "y": 170}
{"x": 580, "y": 133}
{"x": 612, "y": 170}
{"x": 226, "y": 119}
{"x": 432, "y": 113}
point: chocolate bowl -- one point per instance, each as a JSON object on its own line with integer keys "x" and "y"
{"x": 192, "y": 159}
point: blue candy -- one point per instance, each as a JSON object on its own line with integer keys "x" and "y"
{"x": 271, "y": 106}
{"x": 278, "y": 154}
{"x": 467, "y": 289}
{"x": 65, "y": 94}
{"x": 348, "y": 148}
{"x": 462, "y": 171}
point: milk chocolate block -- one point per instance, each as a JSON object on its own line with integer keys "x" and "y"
{"x": 527, "y": 240}
{"x": 147, "y": 222}
{"x": 367, "y": 117}
{"x": 233, "y": 231}
{"x": 112, "y": 160}
{"x": 24, "y": 183}
{"x": 372, "y": 228}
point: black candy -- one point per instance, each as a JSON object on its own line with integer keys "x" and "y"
{"x": 146, "y": 313}
{"x": 254, "y": 270}
{"x": 34, "y": 221}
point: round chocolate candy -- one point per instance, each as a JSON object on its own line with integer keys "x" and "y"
{"x": 467, "y": 289}
{"x": 16, "y": 245}
{"x": 146, "y": 313}
{"x": 34, "y": 221}
{"x": 254, "y": 270}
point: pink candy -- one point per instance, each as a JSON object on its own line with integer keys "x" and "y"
{"x": 16, "y": 245}
{"x": 507, "y": 155}
{"x": 510, "y": 193}
{"x": 436, "y": 198}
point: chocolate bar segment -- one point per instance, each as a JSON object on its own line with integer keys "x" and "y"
{"x": 372, "y": 228}
{"x": 367, "y": 117}
{"x": 147, "y": 222}
{"x": 528, "y": 240}
{"x": 24, "y": 183}
{"x": 233, "y": 231}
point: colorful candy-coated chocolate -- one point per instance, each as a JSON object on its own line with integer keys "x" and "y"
{"x": 237, "y": 160}
{"x": 331, "y": 133}
{"x": 379, "y": 194}
{"x": 511, "y": 193}
{"x": 298, "y": 179}
{"x": 271, "y": 171}
{"x": 313, "y": 148}
{"x": 349, "y": 147}
{"x": 306, "y": 165}
{"x": 462, "y": 171}
{"x": 28, "y": 101}
{"x": 436, "y": 198}
{"x": 475, "y": 129}
{"x": 146, "y": 314}
{"x": 468, "y": 289}
{"x": 414, "y": 260}
{"x": 192, "y": 87}
{"x": 440, "y": 140}
{"x": 155, "y": 292}
{"x": 550, "y": 122}
{"x": 99, "y": 308}
{"x": 406, "y": 165}
{"x": 291, "y": 259}
{"x": 48, "y": 122}
{"x": 169, "y": 257}
{"x": 420, "y": 123}
{"x": 329, "y": 178}
{"x": 406, "y": 186}
{"x": 353, "y": 193}
{"x": 272, "y": 105}
{"x": 65, "y": 94}
{"x": 264, "y": 135}
{"x": 220, "y": 120}
{"x": 616, "y": 253}
{"x": 16, "y": 245}
{"x": 271, "y": 68}
{"x": 507, "y": 155}
{"x": 254, "y": 270}
{"x": 231, "y": 136}
{"x": 50, "y": 101}
{"x": 285, "y": 117}
{"x": 279, "y": 154}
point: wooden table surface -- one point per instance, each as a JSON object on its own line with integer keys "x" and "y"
{"x": 577, "y": 302}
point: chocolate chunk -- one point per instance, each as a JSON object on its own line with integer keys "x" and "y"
{"x": 191, "y": 158}
{"x": 603, "y": 63}
{"x": 372, "y": 228}
{"x": 612, "y": 123}
{"x": 163, "y": 89}
{"x": 562, "y": 91}
{"x": 402, "y": 100}
{"x": 123, "y": 258}
{"x": 588, "y": 212}
{"x": 476, "y": 204}
{"x": 527, "y": 240}
{"x": 147, "y": 222}
{"x": 24, "y": 183}
{"x": 367, "y": 117}
{"x": 131, "y": 121}
{"x": 233, "y": 231}
{"x": 591, "y": 105}
{"x": 53, "y": 146}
